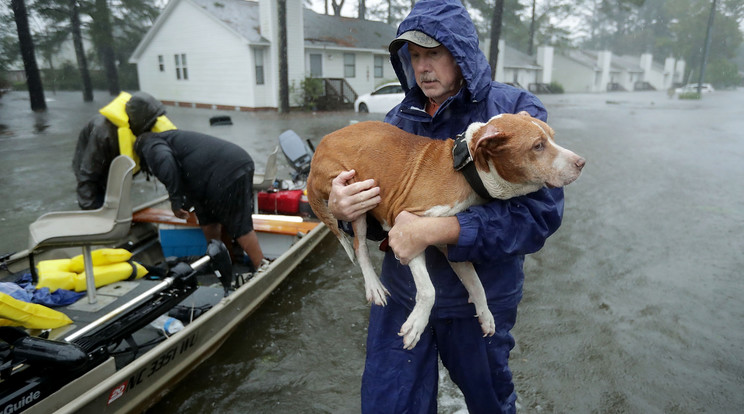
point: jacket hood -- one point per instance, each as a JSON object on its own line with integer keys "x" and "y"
{"x": 143, "y": 111}
{"x": 449, "y": 23}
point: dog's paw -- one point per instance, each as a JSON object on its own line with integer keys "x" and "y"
{"x": 412, "y": 329}
{"x": 377, "y": 294}
{"x": 410, "y": 334}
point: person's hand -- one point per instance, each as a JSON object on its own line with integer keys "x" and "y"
{"x": 348, "y": 199}
{"x": 412, "y": 234}
{"x": 181, "y": 213}
{"x": 405, "y": 237}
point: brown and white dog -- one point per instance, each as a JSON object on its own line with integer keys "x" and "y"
{"x": 512, "y": 155}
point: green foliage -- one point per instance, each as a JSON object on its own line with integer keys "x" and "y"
{"x": 309, "y": 94}
{"x": 65, "y": 78}
{"x": 9, "y": 49}
{"x": 556, "y": 87}
{"x": 688, "y": 33}
{"x": 722, "y": 73}
{"x": 513, "y": 29}
{"x": 689, "y": 95}
{"x": 128, "y": 78}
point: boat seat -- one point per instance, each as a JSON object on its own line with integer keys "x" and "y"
{"x": 85, "y": 228}
{"x": 264, "y": 181}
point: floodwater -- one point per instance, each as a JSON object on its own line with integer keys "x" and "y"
{"x": 633, "y": 306}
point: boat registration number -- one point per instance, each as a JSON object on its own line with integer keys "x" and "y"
{"x": 152, "y": 368}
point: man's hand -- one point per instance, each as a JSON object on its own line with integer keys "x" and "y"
{"x": 348, "y": 200}
{"x": 181, "y": 213}
{"x": 412, "y": 234}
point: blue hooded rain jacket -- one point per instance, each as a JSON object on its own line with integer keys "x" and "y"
{"x": 494, "y": 236}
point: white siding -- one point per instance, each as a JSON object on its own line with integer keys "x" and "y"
{"x": 572, "y": 75}
{"x": 220, "y": 64}
{"x": 364, "y": 80}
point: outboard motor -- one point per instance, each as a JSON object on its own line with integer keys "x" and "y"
{"x": 298, "y": 153}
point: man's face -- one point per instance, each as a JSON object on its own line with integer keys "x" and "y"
{"x": 437, "y": 74}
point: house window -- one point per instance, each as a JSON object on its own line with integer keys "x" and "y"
{"x": 316, "y": 65}
{"x": 349, "y": 65}
{"x": 181, "y": 70}
{"x": 258, "y": 58}
{"x": 379, "y": 62}
{"x": 161, "y": 63}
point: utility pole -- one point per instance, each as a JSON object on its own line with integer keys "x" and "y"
{"x": 283, "y": 60}
{"x": 705, "y": 48}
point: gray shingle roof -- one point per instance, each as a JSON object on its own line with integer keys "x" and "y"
{"x": 324, "y": 30}
{"x": 517, "y": 59}
{"x": 320, "y": 30}
{"x": 240, "y": 15}
{"x": 629, "y": 63}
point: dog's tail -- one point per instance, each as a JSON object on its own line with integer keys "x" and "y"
{"x": 319, "y": 205}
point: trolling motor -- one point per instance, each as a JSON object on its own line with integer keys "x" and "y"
{"x": 47, "y": 365}
{"x": 298, "y": 153}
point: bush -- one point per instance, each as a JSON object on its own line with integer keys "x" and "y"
{"x": 309, "y": 94}
{"x": 556, "y": 87}
{"x": 689, "y": 95}
{"x": 722, "y": 73}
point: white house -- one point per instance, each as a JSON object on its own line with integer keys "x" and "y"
{"x": 224, "y": 53}
{"x": 592, "y": 71}
{"x": 518, "y": 68}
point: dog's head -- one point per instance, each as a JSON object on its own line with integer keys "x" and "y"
{"x": 519, "y": 152}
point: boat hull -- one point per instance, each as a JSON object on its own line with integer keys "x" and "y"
{"x": 145, "y": 380}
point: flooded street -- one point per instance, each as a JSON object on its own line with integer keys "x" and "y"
{"x": 633, "y": 306}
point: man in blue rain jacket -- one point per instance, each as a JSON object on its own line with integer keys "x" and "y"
{"x": 448, "y": 86}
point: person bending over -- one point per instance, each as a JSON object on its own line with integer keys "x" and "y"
{"x": 210, "y": 175}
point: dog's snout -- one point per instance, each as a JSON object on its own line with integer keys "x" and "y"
{"x": 580, "y": 163}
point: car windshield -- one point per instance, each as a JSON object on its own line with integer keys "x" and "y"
{"x": 388, "y": 90}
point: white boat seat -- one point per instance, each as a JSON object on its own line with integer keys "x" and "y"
{"x": 86, "y": 228}
{"x": 264, "y": 181}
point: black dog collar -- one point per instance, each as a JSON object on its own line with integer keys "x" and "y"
{"x": 463, "y": 162}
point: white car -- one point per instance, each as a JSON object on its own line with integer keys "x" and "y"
{"x": 382, "y": 99}
{"x": 692, "y": 87}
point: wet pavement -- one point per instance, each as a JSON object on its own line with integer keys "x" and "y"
{"x": 633, "y": 306}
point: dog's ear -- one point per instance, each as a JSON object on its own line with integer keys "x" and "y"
{"x": 488, "y": 139}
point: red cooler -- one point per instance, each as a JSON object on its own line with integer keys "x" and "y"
{"x": 280, "y": 202}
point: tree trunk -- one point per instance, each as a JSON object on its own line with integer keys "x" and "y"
{"x": 337, "y": 7}
{"x": 82, "y": 61}
{"x": 105, "y": 46}
{"x": 33, "y": 77}
{"x": 283, "y": 59}
{"x": 362, "y": 9}
{"x": 532, "y": 30}
{"x": 493, "y": 52}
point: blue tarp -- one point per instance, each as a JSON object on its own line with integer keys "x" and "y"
{"x": 24, "y": 290}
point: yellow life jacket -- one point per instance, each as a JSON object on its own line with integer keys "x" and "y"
{"x": 109, "y": 266}
{"x": 116, "y": 112}
{"x": 14, "y": 312}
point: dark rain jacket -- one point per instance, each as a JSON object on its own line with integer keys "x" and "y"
{"x": 494, "y": 236}
{"x": 98, "y": 145}
{"x": 195, "y": 168}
